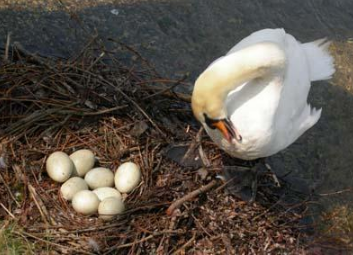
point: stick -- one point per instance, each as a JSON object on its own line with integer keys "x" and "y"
{"x": 33, "y": 57}
{"x": 182, "y": 248}
{"x": 149, "y": 237}
{"x": 40, "y": 205}
{"x": 23, "y": 233}
{"x": 162, "y": 91}
{"x": 336, "y": 192}
{"x": 8, "y": 211}
{"x": 7, "y": 47}
{"x": 190, "y": 196}
{"x": 138, "y": 107}
{"x": 167, "y": 92}
{"x": 2, "y": 180}
{"x": 193, "y": 145}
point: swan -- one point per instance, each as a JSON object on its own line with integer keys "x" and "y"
{"x": 252, "y": 102}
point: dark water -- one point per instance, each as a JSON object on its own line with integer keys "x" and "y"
{"x": 185, "y": 36}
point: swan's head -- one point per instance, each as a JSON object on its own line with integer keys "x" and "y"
{"x": 209, "y": 108}
{"x": 226, "y": 74}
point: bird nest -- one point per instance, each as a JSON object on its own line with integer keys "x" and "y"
{"x": 111, "y": 101}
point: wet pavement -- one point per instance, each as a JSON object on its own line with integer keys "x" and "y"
{"x": 181, "y": 37}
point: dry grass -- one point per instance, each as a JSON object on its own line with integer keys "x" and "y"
{"x": 343, "y": 53}
{"x": 336, "y": 230}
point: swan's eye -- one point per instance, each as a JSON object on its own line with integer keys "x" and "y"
{"x": 210, "y": 122}
{"x": 225, "y": 126}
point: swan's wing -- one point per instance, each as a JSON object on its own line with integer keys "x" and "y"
{"x": 265, "y": 35}
{"x": 305, "y": 62}
{"x": 294, "y": 115}
{"x": 319, "y": 59}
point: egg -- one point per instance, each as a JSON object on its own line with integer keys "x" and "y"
{"x": 99, "y": 177}
{"x": 72, "y": 186}
{"x": 85, "y": 202}
{"x": 59, "y": 166}
{"x": 105, "y": 192}
{"x": 83, "y": 161}
{"x": 110, "y": 207}
{"x": 127, "y": 177}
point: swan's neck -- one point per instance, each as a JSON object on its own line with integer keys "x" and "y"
{"x": 233, "y": 70}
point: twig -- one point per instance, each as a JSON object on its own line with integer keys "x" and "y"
{"x": 178, "y": 82}
{"x": 336, "y": 192}
{"x": 7, "y": 47}
{"x": 190, "y": 196}
{"x": 40, "y": 205}
{"x": 162, "y": 81}
{"x": 139, "y": 108}
{"x": 92, "y": 40}
{"x": 182, "y": 248}
{"x": 8, "y": 211}
{"x": 203, "y": 157}
{"x": 104, "y": 111}
{"x": 96, "y": 61}
{"x": 164, "y": 240}
{"x": 52, "y": 243}
{"x": 268, "y": 209}
{"x": 200, "y": 225}
{"x": 106, "y": 82}
{"x": 193, "y": 145}
{"x": 167, "y": 92}
{"x": 143, "y": 60}
{"x": 224, "y": 184}
{"x": 149, "y": 237}
{"x": 36, "y": 59}
{"x": 8, "y": 190}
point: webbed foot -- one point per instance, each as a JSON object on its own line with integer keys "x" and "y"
{"x": 243, "y": 180}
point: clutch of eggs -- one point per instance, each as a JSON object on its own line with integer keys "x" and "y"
{"x": 78, "y": 175}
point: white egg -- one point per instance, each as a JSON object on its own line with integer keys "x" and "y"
{"x": 72, "y": 186}
{"x": 105, "y": 192}
{"x": 85, "y": 202}
{"x": 83, "y": 161}
{"x": 99, "y": 177}
{"x": 127, "y": 177}
{"x": 110, "y": 207}
{"x": 59, "y": 166}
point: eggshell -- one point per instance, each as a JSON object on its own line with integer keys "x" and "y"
{"x": 110, "y": 207}
{"x": 99, "y": 177}
{"x": 72, "y": 186}
{"x": 59, "y": 166}
{"x": 85, "y": 202}
{"x": 127, "y": 177}
{"x": 83, "y": 161}
{"x": 105, "y": 192}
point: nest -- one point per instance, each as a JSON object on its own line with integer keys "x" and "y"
{"x": 111, "y": 101}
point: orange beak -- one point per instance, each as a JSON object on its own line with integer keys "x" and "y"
{"x": 227, "y": 129}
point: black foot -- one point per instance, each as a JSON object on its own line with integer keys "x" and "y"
{"x": 242, "y": 182}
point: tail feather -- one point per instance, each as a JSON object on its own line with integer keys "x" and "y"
{"x": 321, "y": 63}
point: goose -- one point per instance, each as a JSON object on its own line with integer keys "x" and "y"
{"x": 252, "y": 102}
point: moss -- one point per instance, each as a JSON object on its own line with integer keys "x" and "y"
{"x": 11, "y": 242}
{"x": 338, "y": 224}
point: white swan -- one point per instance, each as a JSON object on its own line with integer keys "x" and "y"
{"x": 253, "y": 101}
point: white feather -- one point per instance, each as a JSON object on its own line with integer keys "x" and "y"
{"x": 320, "y": 62}
{"x": 272, "y": 112}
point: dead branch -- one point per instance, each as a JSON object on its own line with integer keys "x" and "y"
{"x": 176, "y": 204}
